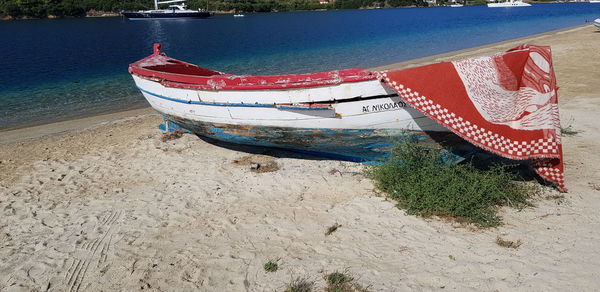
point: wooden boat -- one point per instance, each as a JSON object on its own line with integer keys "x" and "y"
{"x": 345, "y": 114}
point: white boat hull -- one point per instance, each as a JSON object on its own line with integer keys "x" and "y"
{"x": 238, "y": 108}
{"x": 354, "y": 129}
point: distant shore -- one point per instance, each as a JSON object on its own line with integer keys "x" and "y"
{"x": 91, "y": 13}
{"x": 100, "y": 13}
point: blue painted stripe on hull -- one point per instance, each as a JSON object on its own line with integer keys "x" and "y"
{"x": 286, "y": 107}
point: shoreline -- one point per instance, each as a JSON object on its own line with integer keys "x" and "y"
{"x": 478, "y": 50}
{"x": 67, "y": 126}
{"x": 63, "y": 126}
{"x": 89, "y": 14}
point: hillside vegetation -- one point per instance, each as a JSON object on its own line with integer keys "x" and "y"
{"x": 62, "y": 8}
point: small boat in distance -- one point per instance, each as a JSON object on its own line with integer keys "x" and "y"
{"x": 594, "y": 1}
{"x": 174, "y": 11}
{"x": 238, "y": 15}
{"x": 511, "y": 3}
{"x": 456, "y": 5}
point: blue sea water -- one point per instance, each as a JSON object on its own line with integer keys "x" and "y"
{"x": 59, "y": 69}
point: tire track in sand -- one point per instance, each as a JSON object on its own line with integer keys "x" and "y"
{"x": 94, "y": 251}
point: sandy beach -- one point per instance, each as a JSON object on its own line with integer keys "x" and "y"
{"x": 104, "y": 204}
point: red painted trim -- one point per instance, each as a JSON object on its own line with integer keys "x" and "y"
{"x": 174, "y": 73}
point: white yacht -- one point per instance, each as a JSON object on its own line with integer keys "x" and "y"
{"x": 511, "y": 3}
{"x": 173, "y": 11}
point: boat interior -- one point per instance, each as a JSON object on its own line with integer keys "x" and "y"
{"x": 177, "y": 67}
{"x": 176, "y": 73}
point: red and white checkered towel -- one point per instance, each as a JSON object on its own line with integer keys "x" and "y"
{"x": 505, "y": 103}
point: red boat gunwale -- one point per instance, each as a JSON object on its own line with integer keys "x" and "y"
{"x": 174, "y": 73}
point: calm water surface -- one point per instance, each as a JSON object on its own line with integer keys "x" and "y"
{"x": 59, "y": 69}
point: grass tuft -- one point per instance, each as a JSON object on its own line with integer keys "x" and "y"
{"x": 341, "y": 282}
{"x": 421, "y": 181}
{"x": 271, "y": 266}
{"x": 507, "y": 243}
{"x": 331, "y": 229}
{"x": 568, "y": 131}
{"x": 300, "y": 285}
{"x": 338, "y": 278}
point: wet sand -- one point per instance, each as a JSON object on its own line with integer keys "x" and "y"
{"x": 103, "y": 204}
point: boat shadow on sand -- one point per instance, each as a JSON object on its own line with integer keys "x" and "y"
{"x": 481, "y": 160}
{"x": 261, "y": 150}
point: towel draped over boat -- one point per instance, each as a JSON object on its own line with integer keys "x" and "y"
{"x": 506, "y": 104}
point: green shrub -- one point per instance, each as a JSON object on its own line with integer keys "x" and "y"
{"x": 12, "y": 9}
{"x": 300, "y": 285}
{"x": 568, "y": 131}
{"x": 342, "y": 282}
{"x": 271, "y": 266}
{"x": 421, "y": 181}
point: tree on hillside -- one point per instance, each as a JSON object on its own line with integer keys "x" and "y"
{"x": 404, "y": 3}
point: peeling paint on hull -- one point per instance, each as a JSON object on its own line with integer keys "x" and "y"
{"x": 359, "y": 145}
